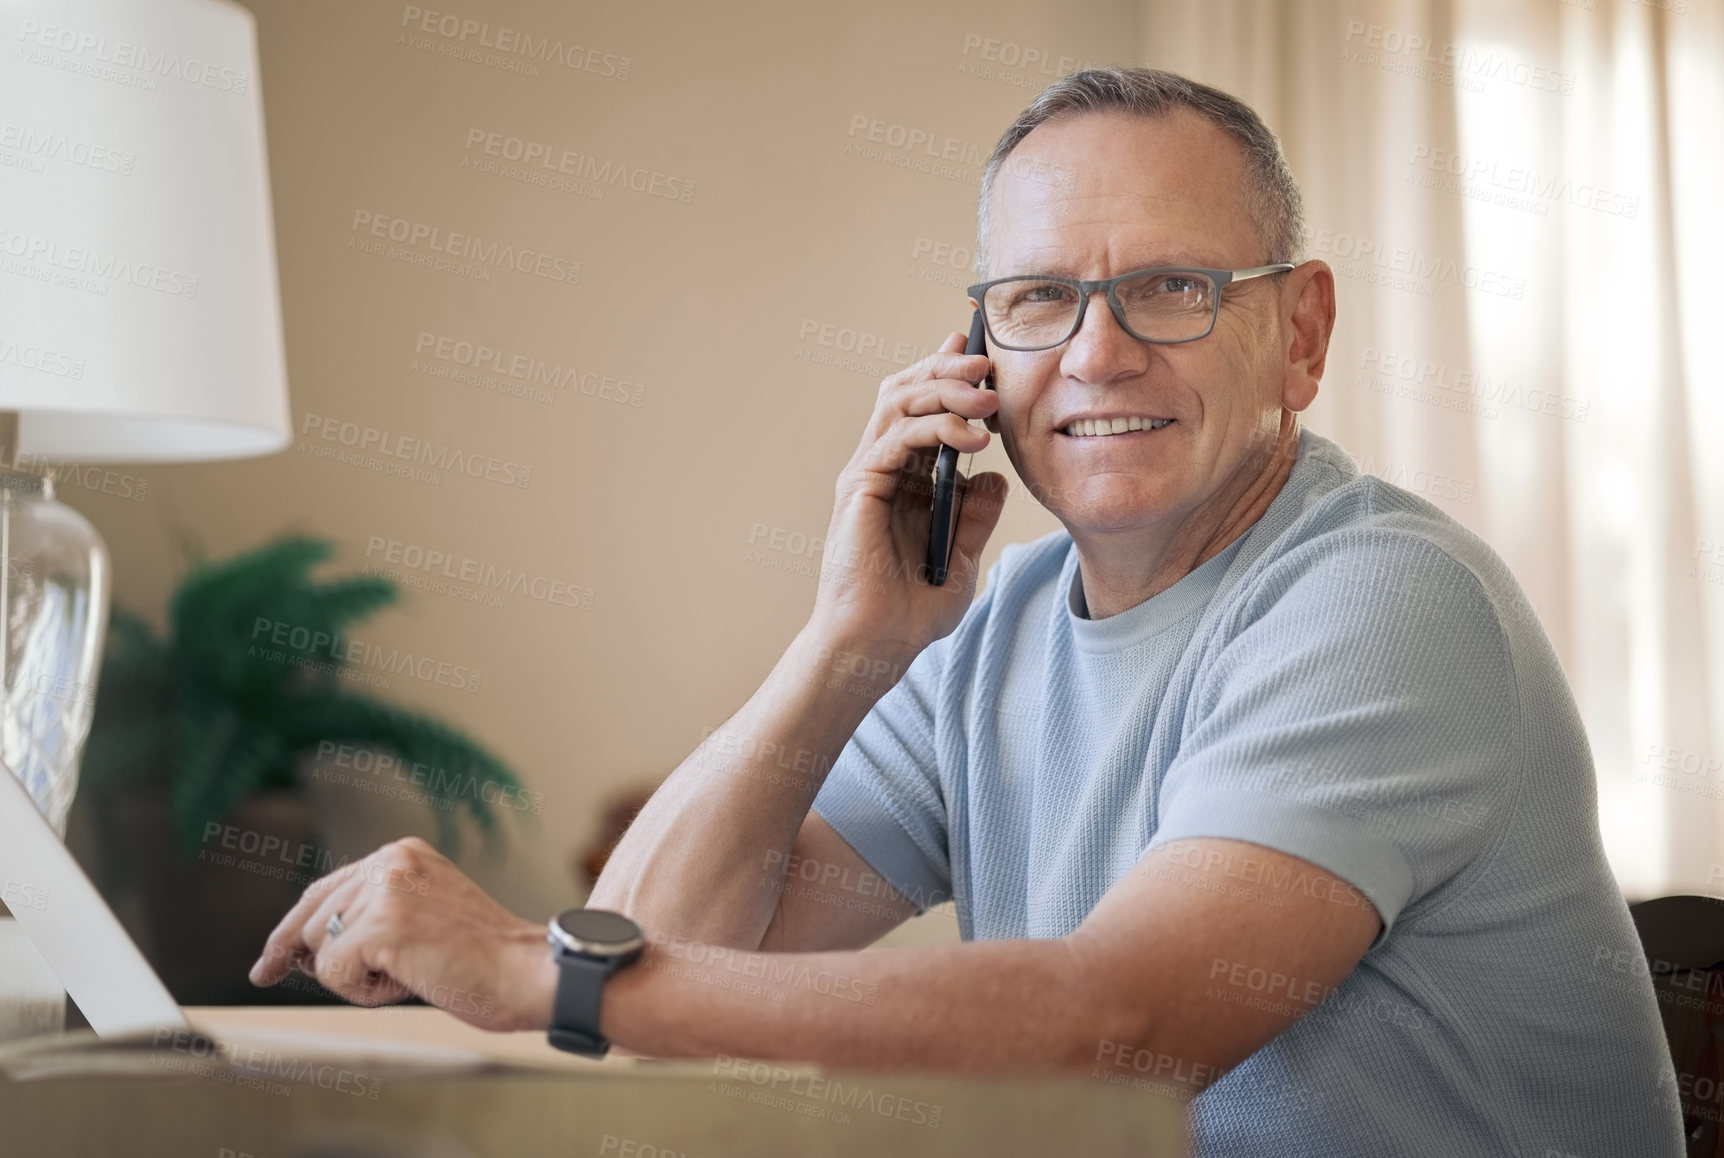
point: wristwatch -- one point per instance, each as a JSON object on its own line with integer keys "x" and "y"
{"x": 588, "y": 946}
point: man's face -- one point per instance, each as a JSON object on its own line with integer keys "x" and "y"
{"x": 1142, "y": 192}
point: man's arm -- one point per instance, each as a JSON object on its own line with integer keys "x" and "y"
{"x": 814, "y": 915}
{"x": 706, "y": 859}
{"x": 1159, "y": 979}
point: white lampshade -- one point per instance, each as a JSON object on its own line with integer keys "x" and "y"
{"x": 139, "y": 312}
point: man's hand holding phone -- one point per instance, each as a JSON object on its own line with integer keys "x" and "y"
{"x": 875, "y": 592}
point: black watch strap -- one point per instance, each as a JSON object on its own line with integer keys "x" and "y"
{"x": 575, "y": 1010}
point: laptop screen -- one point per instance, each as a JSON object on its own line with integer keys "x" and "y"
{"x": 72, "y": 927}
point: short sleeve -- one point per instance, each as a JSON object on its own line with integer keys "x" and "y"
{"x": 1361, "y": 713}
{"x": 883, "y": 795}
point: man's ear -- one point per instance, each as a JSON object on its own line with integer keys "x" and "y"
{"x": 1312, "y": 321}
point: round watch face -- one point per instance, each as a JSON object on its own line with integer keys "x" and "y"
{"x": 596, "y": 932}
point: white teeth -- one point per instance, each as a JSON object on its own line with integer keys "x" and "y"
{"x": 1092, "y": 427}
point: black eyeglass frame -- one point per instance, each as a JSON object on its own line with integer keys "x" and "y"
{"x": 1221, "y": 277}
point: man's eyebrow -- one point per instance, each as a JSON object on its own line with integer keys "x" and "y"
{"x": 1070, "y": 268}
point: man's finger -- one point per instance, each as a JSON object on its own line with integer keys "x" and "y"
{"x": 959, "y": 397}
{"x": 287, "y": 943}
{"x": 920, "y": 395}
{"x": 277, "y": 962}
{"x": 345, "y": 965}
{"x": 344, "y": 902}
{"x": 984, "y": 500}
{"x": 327, "y": 951}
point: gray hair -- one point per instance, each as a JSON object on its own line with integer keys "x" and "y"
{"x": 1271, "y": 195}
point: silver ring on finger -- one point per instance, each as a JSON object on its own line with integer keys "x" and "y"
{"x": 334, "y": 927}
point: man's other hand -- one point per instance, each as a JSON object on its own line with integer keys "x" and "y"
{"x": 412, "y": 924}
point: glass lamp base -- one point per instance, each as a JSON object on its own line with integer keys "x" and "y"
{"x": 54, "y": 591}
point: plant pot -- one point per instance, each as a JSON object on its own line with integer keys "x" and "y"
{"x": 202, "y": 919}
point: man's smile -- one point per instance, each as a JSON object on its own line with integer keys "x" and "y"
{"x": 1111, "y": 426}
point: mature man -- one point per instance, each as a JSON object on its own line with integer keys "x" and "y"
{"x": 1260, "y": 778}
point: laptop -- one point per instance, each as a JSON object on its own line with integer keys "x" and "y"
{"x": 73, "y": 928}
{"x": 132, "y": 1013}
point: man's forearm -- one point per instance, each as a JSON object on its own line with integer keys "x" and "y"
{"x": 1018, "y": 1007}
{"x": 698, "y": 862}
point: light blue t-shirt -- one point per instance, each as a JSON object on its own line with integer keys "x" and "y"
{"x": 1357, "y": 681}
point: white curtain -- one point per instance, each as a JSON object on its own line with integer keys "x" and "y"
{"x": 1524, "y": 203}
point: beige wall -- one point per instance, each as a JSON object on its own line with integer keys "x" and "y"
{"x": 698, "y": 305}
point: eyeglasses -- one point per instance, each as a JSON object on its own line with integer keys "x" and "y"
{"x": 1165, "y": 304}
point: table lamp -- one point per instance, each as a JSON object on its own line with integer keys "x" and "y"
{"x": 139, "y": 314}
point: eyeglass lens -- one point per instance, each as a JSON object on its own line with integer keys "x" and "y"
{"x": 1032, "y": 313}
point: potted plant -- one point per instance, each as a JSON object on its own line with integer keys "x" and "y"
{"x": 195, "y": 775}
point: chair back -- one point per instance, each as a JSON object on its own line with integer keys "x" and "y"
{"x": 1683, "y": 938}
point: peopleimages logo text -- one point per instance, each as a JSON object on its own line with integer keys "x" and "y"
{"x": 572, "y": 163}
{"x": 105, "y": 266}
{"x": 514, "y": 42}
{"x": 421, "y": 451}
{"x": 125, "y": 54}
{"x": 40, "y": 359}
{"x": 51, "y": 145}
{"x": 508, "y": 580}
{"x": 435, "y": 238}
{"x": 527, "y": 368}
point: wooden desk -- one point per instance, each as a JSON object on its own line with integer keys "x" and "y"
{"x": 621, "y": 1108}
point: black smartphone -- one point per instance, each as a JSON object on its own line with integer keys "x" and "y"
{"x": 947, "y": 506}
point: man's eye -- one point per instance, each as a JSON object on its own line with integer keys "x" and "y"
{"x": 1166, "y": 289}
{"x": 1043, "y": 293}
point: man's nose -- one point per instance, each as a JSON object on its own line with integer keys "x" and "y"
{"x": 1101, "y": 349}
